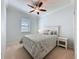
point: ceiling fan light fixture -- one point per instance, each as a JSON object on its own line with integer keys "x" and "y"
{"x": 37, "y": 7}
{"x": 36, "y": 10}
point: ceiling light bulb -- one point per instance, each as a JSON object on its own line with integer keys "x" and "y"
{"x": 37, "y": 9}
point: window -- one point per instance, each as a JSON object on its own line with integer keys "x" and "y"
{"x": 25, "y": 25}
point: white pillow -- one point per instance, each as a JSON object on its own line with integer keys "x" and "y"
{"x": 46, "y": 32}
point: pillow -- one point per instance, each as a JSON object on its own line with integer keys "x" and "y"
{"x": 46, "y": 32}
{"x": 53, "y": 32}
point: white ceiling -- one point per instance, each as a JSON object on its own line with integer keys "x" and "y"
{"x": 49, "y": 5}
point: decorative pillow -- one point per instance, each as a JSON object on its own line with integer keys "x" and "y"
{"x": 53, "y": 32}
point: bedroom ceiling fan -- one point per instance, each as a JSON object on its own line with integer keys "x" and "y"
{"x": 36, "y": 7}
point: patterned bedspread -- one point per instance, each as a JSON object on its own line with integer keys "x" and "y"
{"x": 39, "y": 45}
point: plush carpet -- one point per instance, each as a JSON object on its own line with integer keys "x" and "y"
{"x": 16, "y": 51}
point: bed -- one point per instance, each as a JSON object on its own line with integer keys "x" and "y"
{"x": 39, "y": 45}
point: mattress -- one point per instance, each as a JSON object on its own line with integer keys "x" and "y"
{"x": 39, "y": 45}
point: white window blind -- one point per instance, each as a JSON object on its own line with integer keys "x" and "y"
{"x": 25, "y": 25}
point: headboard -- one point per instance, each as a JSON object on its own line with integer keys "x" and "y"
{"x": 51, "y": 30}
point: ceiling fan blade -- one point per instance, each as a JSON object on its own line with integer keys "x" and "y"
{"x": 31, "y": 11}
{"x": 30, "y": 6}
{"x": 38, "y": 13}
{"x": 40, "y": 4}
{"x": 43, "y": 10}
{"x": 36, "y": 3}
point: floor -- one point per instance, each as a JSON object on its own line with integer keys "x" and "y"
{"x": 17, "y": 51}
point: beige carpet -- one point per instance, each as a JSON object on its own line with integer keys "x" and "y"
{"x": 17, "y": 51}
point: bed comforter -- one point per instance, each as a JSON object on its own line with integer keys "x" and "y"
{"x": 39, "y": 45}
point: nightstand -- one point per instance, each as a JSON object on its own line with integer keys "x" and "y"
{"x": 62, "y": 41}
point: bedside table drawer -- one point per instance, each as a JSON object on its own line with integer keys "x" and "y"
{"x": 62, "y": 42}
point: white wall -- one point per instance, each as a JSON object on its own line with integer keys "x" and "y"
{"x": 63, "y": 18}
{"x": 14, "y": 24}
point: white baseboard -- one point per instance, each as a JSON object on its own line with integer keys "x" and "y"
{"x": 12, "y": 43}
